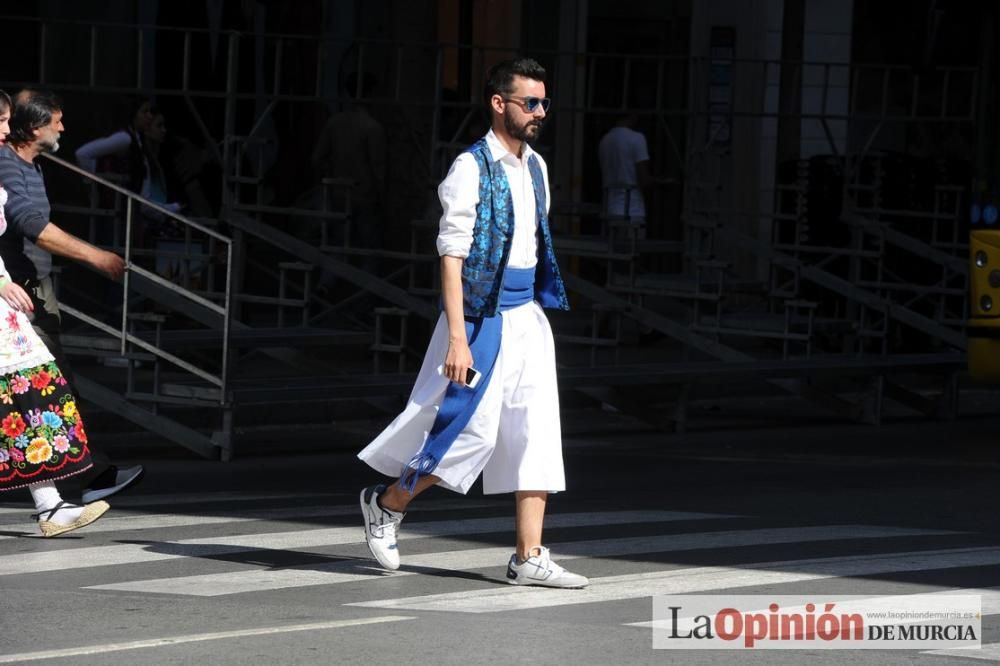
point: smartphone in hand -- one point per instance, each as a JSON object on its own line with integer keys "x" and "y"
{"x": 472, "y": 376}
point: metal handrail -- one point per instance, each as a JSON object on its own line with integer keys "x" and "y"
{"x": 123, "y": 335}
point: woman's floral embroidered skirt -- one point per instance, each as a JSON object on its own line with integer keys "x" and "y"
{"x": 41, "y": 432}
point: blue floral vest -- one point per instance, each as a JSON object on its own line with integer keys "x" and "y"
{"x": 482, "y": 271}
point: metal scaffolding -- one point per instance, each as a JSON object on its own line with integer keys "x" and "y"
{"x": 787, "y": 285}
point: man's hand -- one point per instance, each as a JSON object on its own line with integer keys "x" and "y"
{"x": 56, "y": 241}
{"x": 109, "y": 263}
{"x": 16, "y": 297}
{"x": 458, "y": 361}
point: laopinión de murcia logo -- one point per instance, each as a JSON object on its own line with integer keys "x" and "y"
{"x": 841, "y": 622}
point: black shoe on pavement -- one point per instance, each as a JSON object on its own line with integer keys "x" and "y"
{"x": 113, "y": 480}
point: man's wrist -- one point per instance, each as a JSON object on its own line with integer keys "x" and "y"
{"x": 4, "y": 281}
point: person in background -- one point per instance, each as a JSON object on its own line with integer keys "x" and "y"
{"x": 156, "y": 189}
{"x": 156, "y": 136}
{"x": 133, "y": 152}
{"x": 624, "y": 158}
{"x": 123, "y": 151}
{"x": 352, "y": 146}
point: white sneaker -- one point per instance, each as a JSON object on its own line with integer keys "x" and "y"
{"x": 380, "y": 527}
{"x": 540, "y": 570}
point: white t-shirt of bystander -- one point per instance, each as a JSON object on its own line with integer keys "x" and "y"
{"x": 619, "y": 151}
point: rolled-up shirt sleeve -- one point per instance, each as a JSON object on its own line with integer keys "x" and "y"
{"x": 459, "y": 194}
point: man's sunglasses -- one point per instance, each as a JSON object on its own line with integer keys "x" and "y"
{"x": 531, "y": 103}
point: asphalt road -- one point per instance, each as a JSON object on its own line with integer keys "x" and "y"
{"x": 262, "y": 560}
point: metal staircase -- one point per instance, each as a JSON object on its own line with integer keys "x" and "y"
{"x": 236, "y": 330}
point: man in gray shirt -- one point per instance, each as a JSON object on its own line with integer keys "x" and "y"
{"x": 32, "y": 238}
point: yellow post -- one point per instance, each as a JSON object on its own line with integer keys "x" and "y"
{"x": 983, "y": 329}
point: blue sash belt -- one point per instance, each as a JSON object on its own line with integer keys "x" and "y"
{"x": 460, "y": 402}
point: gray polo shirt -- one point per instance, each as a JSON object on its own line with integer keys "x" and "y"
{"x": 27, "y": 211}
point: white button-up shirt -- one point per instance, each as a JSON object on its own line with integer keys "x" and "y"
{"x": 459, "y": 194}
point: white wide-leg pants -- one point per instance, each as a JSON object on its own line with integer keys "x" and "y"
{"x": 514, "y": 438}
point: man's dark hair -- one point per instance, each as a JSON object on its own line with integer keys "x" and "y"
{"x": 500, "y": 77}
{"x": 32, "y": 109}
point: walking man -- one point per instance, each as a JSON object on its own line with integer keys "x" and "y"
{"x": 32, "y": 238}
{"x": 498, "y": 270}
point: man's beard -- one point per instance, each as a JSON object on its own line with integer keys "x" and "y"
{"x": 527, "y": 132}
{"x": 49, "y": 146}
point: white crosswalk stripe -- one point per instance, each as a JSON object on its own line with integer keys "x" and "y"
{"x": 211, "y": 566}
{"x": 106, "y": 648}
{"x": 128, "y": 501}
{"x": 480, "y": 558}
{"x": 152, "y": 521}
{"x": 98, "y": 556}
{"x": 988, "y": 652}
{"x": 696, "y": 579}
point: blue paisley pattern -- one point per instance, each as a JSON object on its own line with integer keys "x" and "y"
{"x": 482, "y": 271}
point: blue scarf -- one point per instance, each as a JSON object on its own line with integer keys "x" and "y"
{"x": 461, "y": 402}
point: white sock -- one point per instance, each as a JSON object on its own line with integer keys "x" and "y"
{"x": 47, "y": 497}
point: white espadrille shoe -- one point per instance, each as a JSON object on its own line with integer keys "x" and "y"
{"x": 51, "y": 527}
